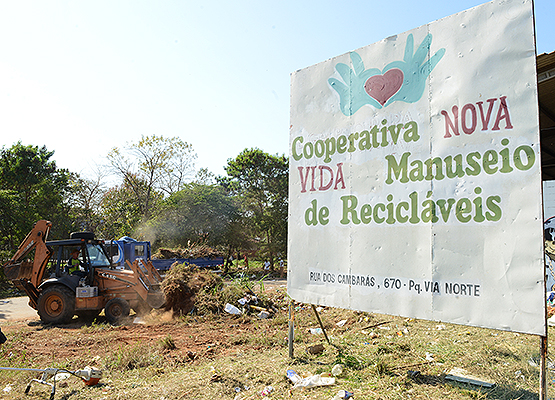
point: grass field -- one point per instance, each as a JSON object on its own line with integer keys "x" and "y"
{"x": 223, "y": 356}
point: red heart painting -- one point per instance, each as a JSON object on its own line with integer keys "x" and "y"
{"x": 382, "y": 87}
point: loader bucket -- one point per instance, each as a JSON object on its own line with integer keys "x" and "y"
{"x": 17, "y": 271}
{"x": 149, "y": 283}
{"x": 156, "y": 299}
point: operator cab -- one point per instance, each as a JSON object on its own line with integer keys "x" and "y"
{"x": 92, "y": 254}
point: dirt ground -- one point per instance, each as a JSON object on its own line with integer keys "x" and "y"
{"x": 203, "y": 337}
{"x": 204, "y": 340}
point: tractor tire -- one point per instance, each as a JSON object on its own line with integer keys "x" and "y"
{"x": 56, "y": 305}
{"x": 116, "y": 310}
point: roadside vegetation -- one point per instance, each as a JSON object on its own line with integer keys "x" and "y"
{"x": 219, "y": 355}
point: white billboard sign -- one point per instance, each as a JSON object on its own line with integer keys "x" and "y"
{"x": 415, "y": 184}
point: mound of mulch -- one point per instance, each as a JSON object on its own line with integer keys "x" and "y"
{"x": 182, "y": 285}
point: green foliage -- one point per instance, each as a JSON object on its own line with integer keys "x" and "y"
{"x": 86, "y": 197}
{"x": 31, "y": 188}
{"x": 120, "y": 213}
{"x": 261, "y": 182}
{"x": 152, "y": 166}
{"x": 196, "y": 214}
{"x": 243, "y": 211}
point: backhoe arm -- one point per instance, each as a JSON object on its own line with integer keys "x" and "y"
{"x": 22, "y": 273}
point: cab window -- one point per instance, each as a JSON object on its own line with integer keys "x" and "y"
{"x": 97, "y": 256}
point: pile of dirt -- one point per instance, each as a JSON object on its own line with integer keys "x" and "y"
{"x": 193, "y": 251}
{"x": 182, "y": 285}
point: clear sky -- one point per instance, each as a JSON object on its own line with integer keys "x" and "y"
{"x": 84, "y": 76}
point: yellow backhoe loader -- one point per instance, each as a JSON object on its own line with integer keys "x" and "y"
{"x": 43, "y": 269}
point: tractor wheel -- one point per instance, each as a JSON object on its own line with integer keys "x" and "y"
{"x": 116, "y": 310}
{"x": 56, "y": 305}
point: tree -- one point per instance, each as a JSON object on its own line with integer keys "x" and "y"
{"x": 120, "y": 214}
{"x": 205, "y": 177}
{"x": 32, "y": 188}
{"x": 197, "y": 213}
{"x": 86, "y": 198}
{"x": 10, "y": 220}
{"x": 261, "y": 181}
{"x": 153, "y": 164}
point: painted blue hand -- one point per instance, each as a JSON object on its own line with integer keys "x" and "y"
{"x": 352, "y": 94}
{"x": 415, "y": 70}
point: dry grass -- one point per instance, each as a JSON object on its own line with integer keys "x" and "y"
{"x": 384, "y": 358}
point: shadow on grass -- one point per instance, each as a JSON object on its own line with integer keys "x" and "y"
{"x": 497, "y": 392}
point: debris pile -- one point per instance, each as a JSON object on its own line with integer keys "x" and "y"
{"x": 189, "y": 289}
{"x": 184, "y": 283}
{"x": 250, "y": 303}
{"x": 193, "y": 251}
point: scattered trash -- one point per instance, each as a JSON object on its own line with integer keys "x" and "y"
{"x": 314, "y": 380}
{"x": 343, "y": 394}
{"x": 7, "y": 388}
{"x": 316, "y": 349}
{"x": 337, "y": 369}
{"x": 267, "y": 390}
{"x": 533, "y": 363}
{"x": 264, "y": 315}
{"x": 429, "y": 357}
{"x": 308, "y": 382}
{"x": 460, "y": 375}
{"x": 319, "y": 309}
{"x": 374, "y": 335}
{"x": 441, "y": 327}
{"x": 250, "y": 300}
{"x": 231, "y": 309}
{"x": 315, "y": 331}
{"x": 139, "y": 320}
{"x": 237, "y": 389}
{"x": 341, "y": 323}
{"x": 293, "y": 376}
